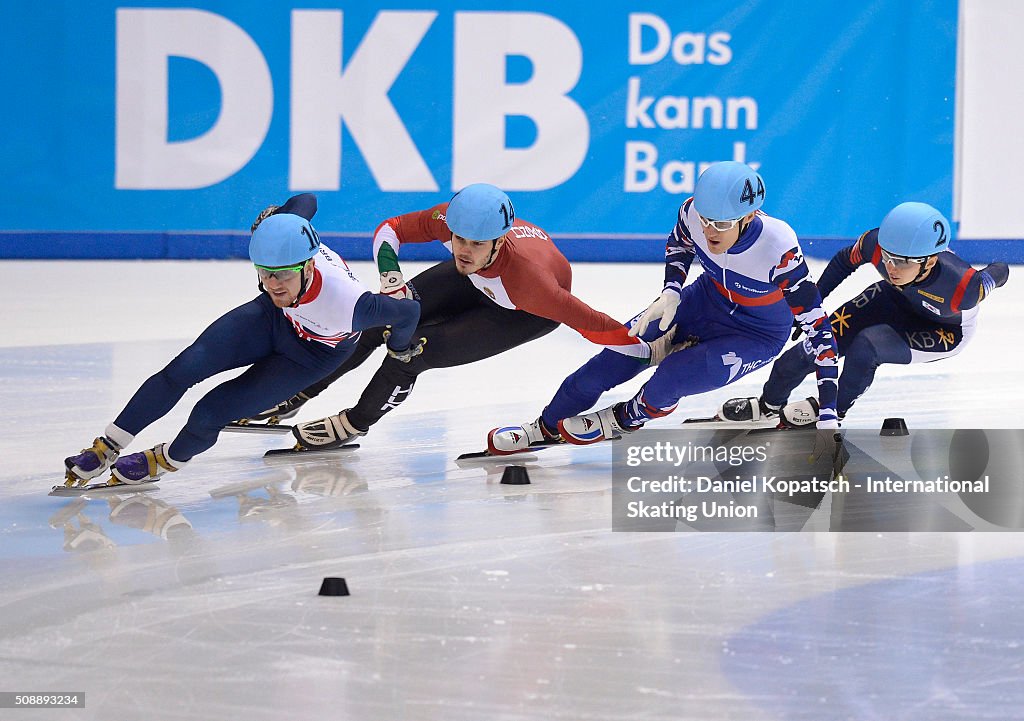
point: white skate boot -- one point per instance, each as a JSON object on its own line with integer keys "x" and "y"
{"x": 326, "y": 433}
{"x": 593, "y": 427}
{"x": 517, "y": 439}
{"x": 800, "y": 414}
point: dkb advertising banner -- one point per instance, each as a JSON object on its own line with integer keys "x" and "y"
{"x": 150, "y": 119}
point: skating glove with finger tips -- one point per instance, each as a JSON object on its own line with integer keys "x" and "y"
{"x": 393, "y": 284}
{"x": 663, "y": 309}
{"x": 404, "y": 356}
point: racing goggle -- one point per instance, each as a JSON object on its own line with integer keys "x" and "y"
{"x": 900, "y": 261}
{"x": 720, "y": 225}
{"x": 281, "y": 274}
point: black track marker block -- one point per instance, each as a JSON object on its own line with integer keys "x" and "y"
{"x": 334, "y": 587}
{"x": 894, "y": 427}
{"x": 515, "y": 476}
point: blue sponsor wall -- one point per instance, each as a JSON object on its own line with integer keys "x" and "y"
{"x": 155, "y": 131}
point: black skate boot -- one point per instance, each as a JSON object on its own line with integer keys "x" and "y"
{"x": 283, "y": 410}
{"x": 747, "y": 410}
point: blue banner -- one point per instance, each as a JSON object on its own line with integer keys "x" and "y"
{"x": 149, "y": 121}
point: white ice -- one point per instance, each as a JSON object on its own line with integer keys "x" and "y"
{"x": 470, "y": 599}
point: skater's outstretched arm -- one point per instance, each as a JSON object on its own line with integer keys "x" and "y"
{"x": 679, "y": 254}
{"x": 374, "y": 310}
{"x": 847, "y": 260}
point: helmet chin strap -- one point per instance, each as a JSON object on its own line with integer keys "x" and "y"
{"x": 925, "y": 270}
{"x": 494, "y": 251}
{"x": 302, "y": 287}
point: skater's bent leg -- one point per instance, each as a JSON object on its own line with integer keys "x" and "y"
{"x": 238, "y": 338}
{"x": 475, "y": 334}
{"x": 267, "y": 382}
{"x": 871, "y": 348}
{"x": 582, "y": 389}
{"x": 788, "y": 371}
{"x": 390, "y": 386}
{"x": 709, "y": 365}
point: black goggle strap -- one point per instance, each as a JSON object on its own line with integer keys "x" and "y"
{"x": 921, "y": 271}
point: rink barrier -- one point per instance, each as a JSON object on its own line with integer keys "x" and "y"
{"x": 84, "y": 245}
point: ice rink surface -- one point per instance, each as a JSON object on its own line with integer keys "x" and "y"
{"x": 469, "y": 599}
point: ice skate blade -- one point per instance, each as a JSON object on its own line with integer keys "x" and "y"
{"x": 257, "y": 428}
{"x": 717, "y": 422}
{"x": 488, "y": 456}
{"x": 296, "y": 451}
{"x": 102, "y": 489}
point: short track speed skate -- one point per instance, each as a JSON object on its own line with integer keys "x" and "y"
{"x": 532, "y": 448}
{"x": 82, "y": 468}
{"x": 516, "y": 440}
{"x": 329, "y": 435}
{"x": 272, "y": 426}
{"x": 102, "y": 488}
{"x": 299, "y": 449}
{"x": 749, "y": 412}
{"x": 269, "y": 421}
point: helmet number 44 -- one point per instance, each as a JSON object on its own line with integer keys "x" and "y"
{"x": 749, "y": 195}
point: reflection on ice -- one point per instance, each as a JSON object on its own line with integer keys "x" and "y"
{"x": 470, "y": 599}
{"x": 131, "y": 510}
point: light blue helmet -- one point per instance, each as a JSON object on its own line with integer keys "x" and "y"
{"x": 914, "y": 230}
{"x": 727, "y": 191}
{"x": 283, "y": 239}
{"x": 480, "y": 212}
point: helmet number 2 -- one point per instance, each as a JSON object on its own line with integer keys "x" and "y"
{"x": 749, "y": 195}
{"x": 941, "y": 230}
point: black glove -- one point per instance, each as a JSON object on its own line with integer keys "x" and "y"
{"x": 404, "y": 356}
{"x": 997, "y": 273}
{"x": 797, "y": 330}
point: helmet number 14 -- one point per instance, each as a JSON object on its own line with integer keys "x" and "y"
{"x": 312, "y": 236}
